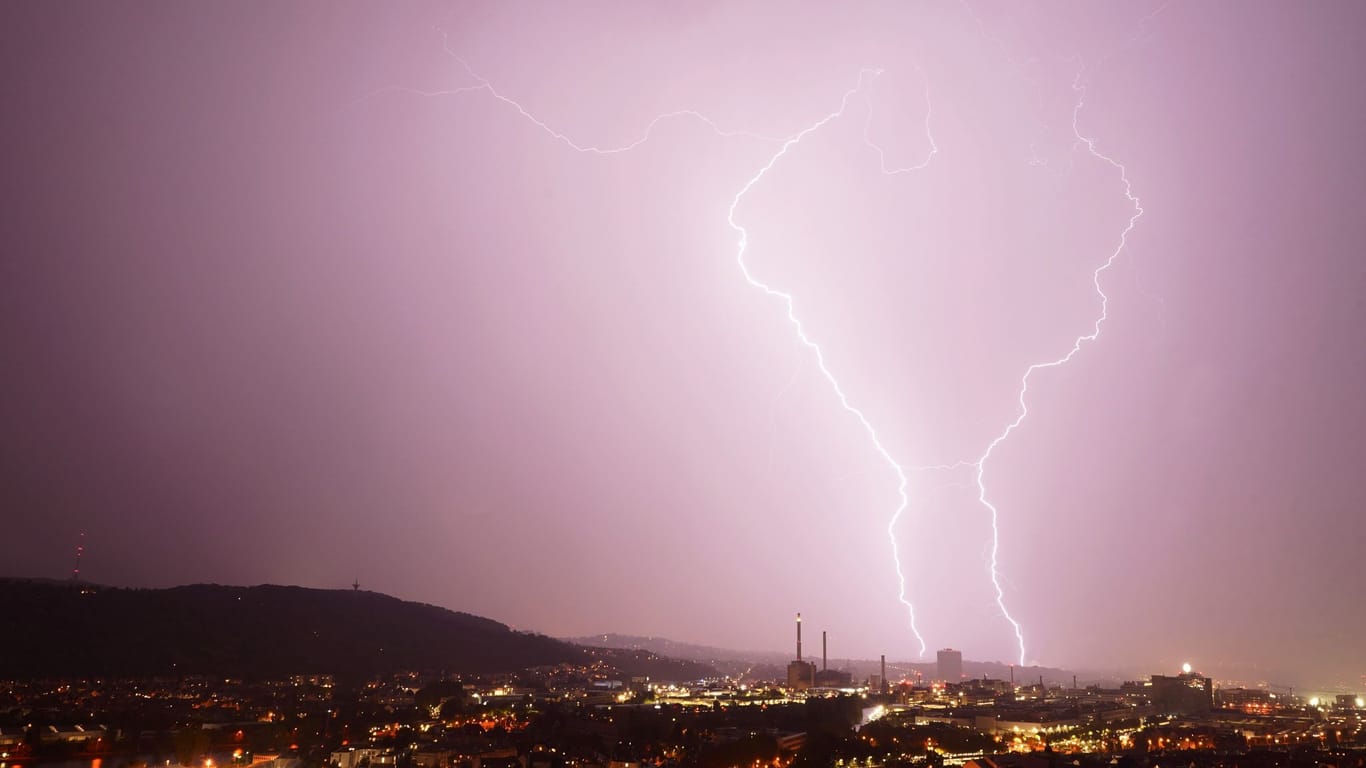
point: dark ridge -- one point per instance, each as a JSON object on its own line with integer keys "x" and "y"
{"x": 76, "y": 629}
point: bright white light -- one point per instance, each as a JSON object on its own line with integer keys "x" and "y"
{"x": 1314, "y": 702}
{"x": 1186, "y": 668}
{"x": 1361, "y": 702}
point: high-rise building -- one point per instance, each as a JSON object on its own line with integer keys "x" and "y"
{"x": 950, "y": 665}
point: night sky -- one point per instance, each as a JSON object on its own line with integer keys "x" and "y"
{"x": 312, "y": 292}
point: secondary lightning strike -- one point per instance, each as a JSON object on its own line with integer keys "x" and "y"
{"x": 929, "y": 134}
{"x": 773, "y": 411}
{"x": 820, "y": 355}
{"x": 882, "y": 165}
{"x": 981, "y": 462}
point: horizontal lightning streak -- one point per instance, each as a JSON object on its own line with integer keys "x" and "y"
{"x": 485, "y": 85}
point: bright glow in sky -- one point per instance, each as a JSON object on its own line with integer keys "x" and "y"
{"x": 293, "y": 294}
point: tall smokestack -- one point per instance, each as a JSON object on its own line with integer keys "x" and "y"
{"x": 822, "y": 650}
{"x": 799, "y": 636}
{"x": 1012, "y": 676}
{"x": 884, "y": 673}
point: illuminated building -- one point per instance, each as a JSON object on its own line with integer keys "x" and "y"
{"x": 1185, "y": 693}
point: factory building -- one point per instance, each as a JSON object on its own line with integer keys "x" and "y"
{"x": 831, "y": 678}
{"x": 803, "y": 675}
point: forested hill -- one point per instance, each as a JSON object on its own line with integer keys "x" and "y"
{"x": 69, "y": 629}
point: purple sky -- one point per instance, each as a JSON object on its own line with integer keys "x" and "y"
{"x": 270, "y": 314}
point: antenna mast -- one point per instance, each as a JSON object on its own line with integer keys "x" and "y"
{"x": 80, "y": 549}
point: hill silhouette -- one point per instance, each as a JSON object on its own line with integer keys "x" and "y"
{"x": 69, "y": 629}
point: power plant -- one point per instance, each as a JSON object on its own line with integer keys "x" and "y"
{"x": 803, "y": 675}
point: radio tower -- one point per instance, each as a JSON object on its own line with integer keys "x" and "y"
{"x": 80, "y": 549}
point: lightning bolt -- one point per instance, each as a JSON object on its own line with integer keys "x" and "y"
{"x": 484, "y": 85}
{"x": 790, "y": 305}
{"x": 981, "y": 463}
{"x": 785, "y": 146}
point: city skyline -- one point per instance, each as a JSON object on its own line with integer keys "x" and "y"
{"x": 172, "y": 608}
{"x": 670, "y": 320}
